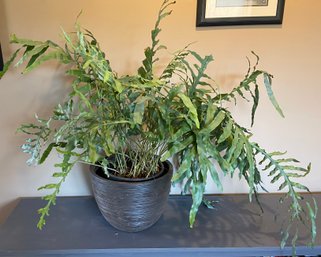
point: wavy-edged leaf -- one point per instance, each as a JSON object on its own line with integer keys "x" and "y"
{"x": 174, "y": 64}
{"x": 283, "y": 185}
{"x": 184, "y": 166}
{"x": 138, "y": 114}
{"x": 118, "y": 86}
{"x": 198, "y": 189}
{"x": 276, "y": 178}
{"x": 179, "y": 133}
{"x": 227, "y": 131}
{"x": 58, "y": 175}
{"x": 215, "y": 177}
{"x": 192, "y": 110}
{"x": 285, "y": 238}
{"x": 287, "y": 160}
{"x": 48, "y": 186}
{"x": 251, "y": 162}
{"x": 210, "y": 112}
{"x": 313, "y": 215}
{"x": 33, "y": 54}
{"x": 47, "y": 152}
{"x": 277, "y": 153}
{"x": 256, "y": 98}
{"x": 218, "y": 119}
{"x": 177, "y": 147}
{"x": 54, "y": 55}
{"x": 82, "y": 97}
{"x": 267, "y": 83}
{"x": 9, "y": 62}
{"x": 15, "y": 40}
{"x": 237, "y": 152}
{"x": 215, "y": 154}
{"x": 300, "y": 186}
{"x": 235, "y": 142}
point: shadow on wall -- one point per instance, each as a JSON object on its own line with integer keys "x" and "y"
{"x": 6, "y": 210}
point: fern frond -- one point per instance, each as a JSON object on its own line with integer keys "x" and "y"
{"x": 283, "y": 170}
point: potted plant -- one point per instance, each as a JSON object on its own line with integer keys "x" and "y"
{"x": 128, "y": 126}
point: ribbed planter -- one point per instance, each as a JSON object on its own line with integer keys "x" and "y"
{"x": 132, "y": 206}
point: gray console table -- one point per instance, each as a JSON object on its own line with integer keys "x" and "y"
{"x": 76, "y": 228}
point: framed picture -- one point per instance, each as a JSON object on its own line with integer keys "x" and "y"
{"x": 239, "y": 12}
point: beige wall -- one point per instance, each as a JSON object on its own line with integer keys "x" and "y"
{"x": 292, "y": 52}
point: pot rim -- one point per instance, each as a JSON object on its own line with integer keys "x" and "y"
{"x": 166, "y": 169}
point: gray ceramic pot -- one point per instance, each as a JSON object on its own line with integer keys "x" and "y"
{"x": 132, "y": 206}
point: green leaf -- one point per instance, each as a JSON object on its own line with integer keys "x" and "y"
{"x": 82, "y": 97}
{"x": 251, "y": 162}
{"x": 192, "y": 110}
{"x": 15, "y": 40}
{"x": 197, "y": 78}
{"x": 184, "y": 129}
{"x": 210, "y": 112}
{"x": 291, "y": 167}
{"x": 48, "y": 186}
{"x": 87, "y": 63}
{"x": 283, "y": 185}
{"x": 47, "y": 152}
{"x": 139, "y": 109}
{"x": 215, "y": 177}
{"x": 118, "y": 86}
{"x": 177, "y": 147}
{"x": 58, "y": 174}
{"x": 35, "y": 52}
{"x": 67, "y": 38}
{"x": 313, "y": 216}
{"x": 235, "y": 144}
{"x": 300, "y": 186}
{"x": 54, "y": 55}
{"x": 276, "y": 153}
{"x": 197, "y": 195}
{"x": 216, "y": 155}
{"x": 256, "y": 98}
{"x": 184, "y": 166}
{"x": 218, "y": 118}
{"x": 175, "y": 64}
{"x": 272, "y": 172}
{"x": 227, "y": 131}
{"x": 93, "y": 154}
{"x": 107, "y": 76}
{"x": 288, "y": 160}
{"x": 284, "y": 239}
{"x": 276, "y": 178}
{"x": 267, "y": 83}
{"x": 8, "y": 63}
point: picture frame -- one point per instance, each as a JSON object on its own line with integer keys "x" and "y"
{"x": 239, "y": 12}
{"x": 1, "y": 59}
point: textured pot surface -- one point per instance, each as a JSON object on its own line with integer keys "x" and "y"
{"x": 132, "y": 206}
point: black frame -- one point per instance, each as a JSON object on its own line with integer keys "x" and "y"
{"x": 201, "y": 21}
{"x": 1, "y": 60}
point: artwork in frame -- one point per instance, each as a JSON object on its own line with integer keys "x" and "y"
{"x": 239, "y": 12}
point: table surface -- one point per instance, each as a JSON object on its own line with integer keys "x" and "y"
{"x": 75, "y": 227}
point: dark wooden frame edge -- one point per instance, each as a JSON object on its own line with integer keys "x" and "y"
{"x": 1, "y": 59}
{"x": 201, "y": 21}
